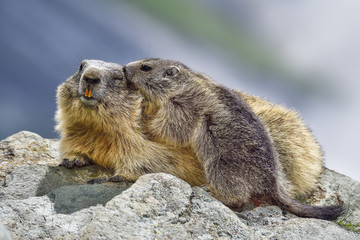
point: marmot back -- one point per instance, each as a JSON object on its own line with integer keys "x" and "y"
{"x": 184, "y": 109}
{"x": 300, "y": 155}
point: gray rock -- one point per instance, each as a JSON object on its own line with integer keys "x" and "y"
{"x": 39, "y": 200}
{"x": 27, "y": 148}
{"x": 334, "y": 187}
{"x": 160, "y": 206}
{"x": 271, "y": 223}
{"x": 4, "y": 234}
{"x": 27, "y": 181}
{"x": 70, "y": 199}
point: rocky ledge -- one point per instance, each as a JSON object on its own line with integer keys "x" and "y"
{"x": 39, "y": 200}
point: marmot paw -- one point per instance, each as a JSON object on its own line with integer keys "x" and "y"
{"x": 78, "y": 161}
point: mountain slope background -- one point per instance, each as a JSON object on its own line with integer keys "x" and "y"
{"x": 304, "y": 54}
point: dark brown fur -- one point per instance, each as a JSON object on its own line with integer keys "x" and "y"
{"x": 300, "y": 155}
{"x": 184, "y": 109}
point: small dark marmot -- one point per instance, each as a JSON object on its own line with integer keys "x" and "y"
{"x": 184, "y": 109}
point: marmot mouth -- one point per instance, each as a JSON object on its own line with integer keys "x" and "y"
{"x": 131, "y": 86}
{"x": 88, "y": 101}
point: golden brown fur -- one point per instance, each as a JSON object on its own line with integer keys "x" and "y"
{"x": 105, "y": 129}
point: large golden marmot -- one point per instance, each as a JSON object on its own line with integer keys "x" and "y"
{"x": 184, "y": 109}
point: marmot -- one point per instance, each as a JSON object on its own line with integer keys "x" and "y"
{"x": 299, "y": 153}
{"x": 98, "y": 120}
{"x": 184, "y": 109}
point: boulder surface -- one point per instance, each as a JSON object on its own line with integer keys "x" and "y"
{"x": 40, "y": 200}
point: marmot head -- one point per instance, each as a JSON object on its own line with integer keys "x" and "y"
{"x": 93, "y": 81}
{"x": 97, "y": 92}
{"x": 157, "y": 78}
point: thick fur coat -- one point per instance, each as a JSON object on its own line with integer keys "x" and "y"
{"x": 182, "y": 108}
{"x": 98, "y": 120}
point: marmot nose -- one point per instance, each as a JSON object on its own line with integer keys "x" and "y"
{"x": 91, "y": 80}
{"x": 125, "y": 72}
{"x": 128, "y": 72}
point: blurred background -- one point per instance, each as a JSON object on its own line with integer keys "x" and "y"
{"x": 304, "y": 54}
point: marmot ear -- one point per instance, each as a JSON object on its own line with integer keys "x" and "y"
{"x": 172, "y": 71}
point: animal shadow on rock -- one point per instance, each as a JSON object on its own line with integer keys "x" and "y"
{"x": 69, "y": 191}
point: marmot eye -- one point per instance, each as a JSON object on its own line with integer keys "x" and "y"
{"x": 145, "y": 68}
{"x": 81, "y": 67}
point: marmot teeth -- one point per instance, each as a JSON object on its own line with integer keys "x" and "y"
{"x": 88, "y": 93}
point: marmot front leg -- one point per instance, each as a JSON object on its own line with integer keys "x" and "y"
{"x": 222, "y": 173}
{"x": 78, "y": 160}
